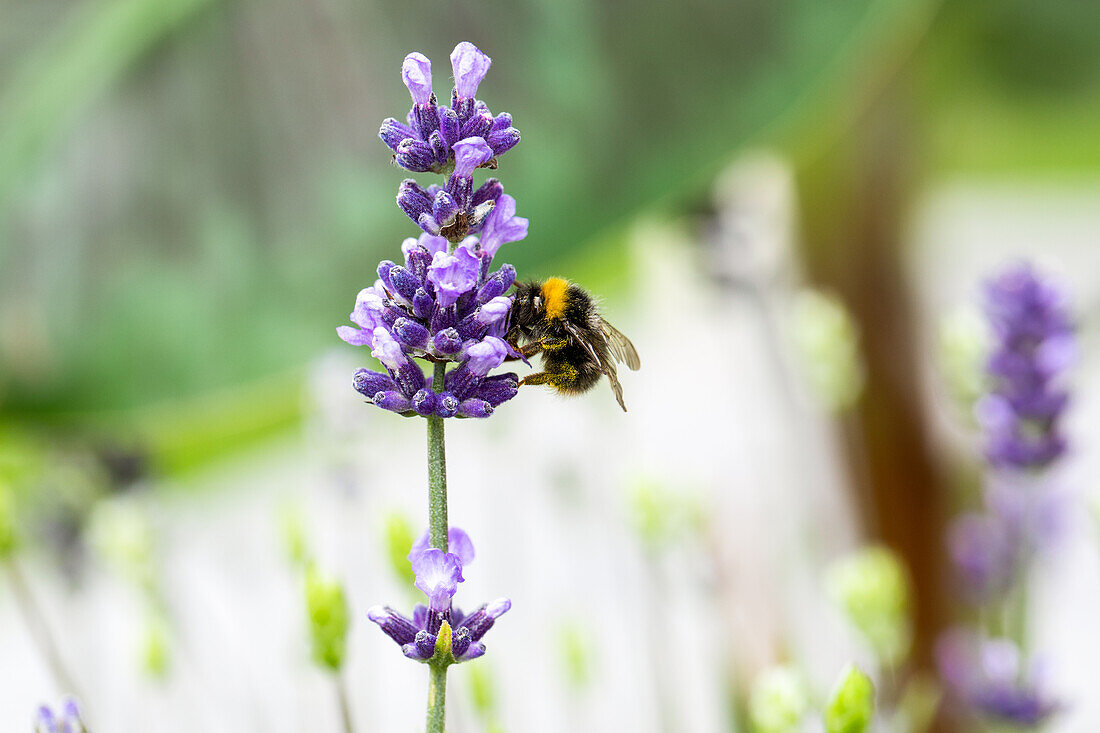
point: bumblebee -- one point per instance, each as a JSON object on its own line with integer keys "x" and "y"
{"x": 561, "y": 321}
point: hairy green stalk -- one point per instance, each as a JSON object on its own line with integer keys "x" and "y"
{"x": 437, "y": 531}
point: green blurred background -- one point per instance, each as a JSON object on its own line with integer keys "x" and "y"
{"x": 192, "y": 191}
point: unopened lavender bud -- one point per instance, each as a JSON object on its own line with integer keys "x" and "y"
{"x": 422, "y": 303}
{"x": 393, "y": 132}
{"x": 417, "y": 260}
{"x": 447, "y": 342}
{"x": 477, "y": 649}
{"x": 415, "y": 155}
{"x": 384, "y": 268}
{"x": 502, "y": 122}
{"x": 428, "y": 223}
{"x": 439, "y": 147}
{"x": 368, "y": 383}
{"x": 497, "y": 284}
{"x": 449, "y": 126}
{"x": 447, "y": 405}
{"x": 392, "y": 401}
{"x": 393, "y": 624}
{"x": 474, "y": 407}
{"x": 478, "y": 125}
{"x": 445, "y": 208}
{"x": 425, "y": 645}
{"x": 502, "y": 141}
{"x": 413, "y": 199}
{"x": 390, "y": 314}
{"x": 498, "y": 389}
{"x": 411, "y": 333}
{"x": 424, "y": 402}
{"x": 460, "y": 641}
{"x": 488, "y": 191}
{"x": 404, "y": 282}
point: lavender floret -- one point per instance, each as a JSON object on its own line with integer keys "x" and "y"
{"x": 438, "y": 575}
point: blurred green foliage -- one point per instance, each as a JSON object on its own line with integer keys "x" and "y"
{"x": 778, "y": 701}
{"x": 872, "y": 587}
{"x": 192, "y": 192}
{"x": 8, "y": 541}
{"x": 827, "y": 341}
{"x": 328, "y": 618}
{"x": 399, "y": 539}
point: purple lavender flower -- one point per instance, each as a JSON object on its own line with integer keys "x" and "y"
{"x": 1021, "y": 414}
{"x": 438, "y": 575}
{"x": 426, "y": 140}
{"x": 987, "y": 677}
{"x": 986, "y": 555}
{"x": 69, "y": 721}
{"x": 445, "y": 303}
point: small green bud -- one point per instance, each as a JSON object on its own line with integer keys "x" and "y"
{"x": 156, "y": 649}
{"x": 293, "y": 533}
{"x": 8, "y": 541}
{"x": 575, "y": 655}
{"x": 443, "y": 644}
{"x": 827, "y": 340}
{"x": 872, "y": 587}
{"x": 328, "y": 619}
{"x": 851, "y": 705}
{"x": 399, "y": 536}
{"x": 778, "y": 701}
{"x": 122, "y": 534}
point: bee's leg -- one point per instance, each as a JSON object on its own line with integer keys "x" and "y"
{"x": 560, "y": 376}
{"x": 546, "y": 344}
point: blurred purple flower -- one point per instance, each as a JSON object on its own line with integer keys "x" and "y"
{"x": 985, "y": 554}
{"x": 1035, "y": 345}
{"x": 986, "y": 677}
{"x": 69, "y": 721}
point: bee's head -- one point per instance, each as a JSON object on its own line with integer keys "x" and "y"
{"x": 527, "y": 308}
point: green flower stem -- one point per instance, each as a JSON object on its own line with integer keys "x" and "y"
{"x": 437, "y": 529}
{"x": 437, "y": 471}
{"x": 40, "y": 631}
{"x": 437, "y": 698}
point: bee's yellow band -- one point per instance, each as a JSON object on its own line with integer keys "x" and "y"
{"x": 553, "y": 296}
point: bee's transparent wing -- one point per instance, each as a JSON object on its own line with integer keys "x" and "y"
{"x": 601, "y": 353}
{"x": 620, "y": 346}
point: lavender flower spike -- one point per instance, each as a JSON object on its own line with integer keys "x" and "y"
{"x": 1021, "y": 415}
{"x": 470, "y": 66}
